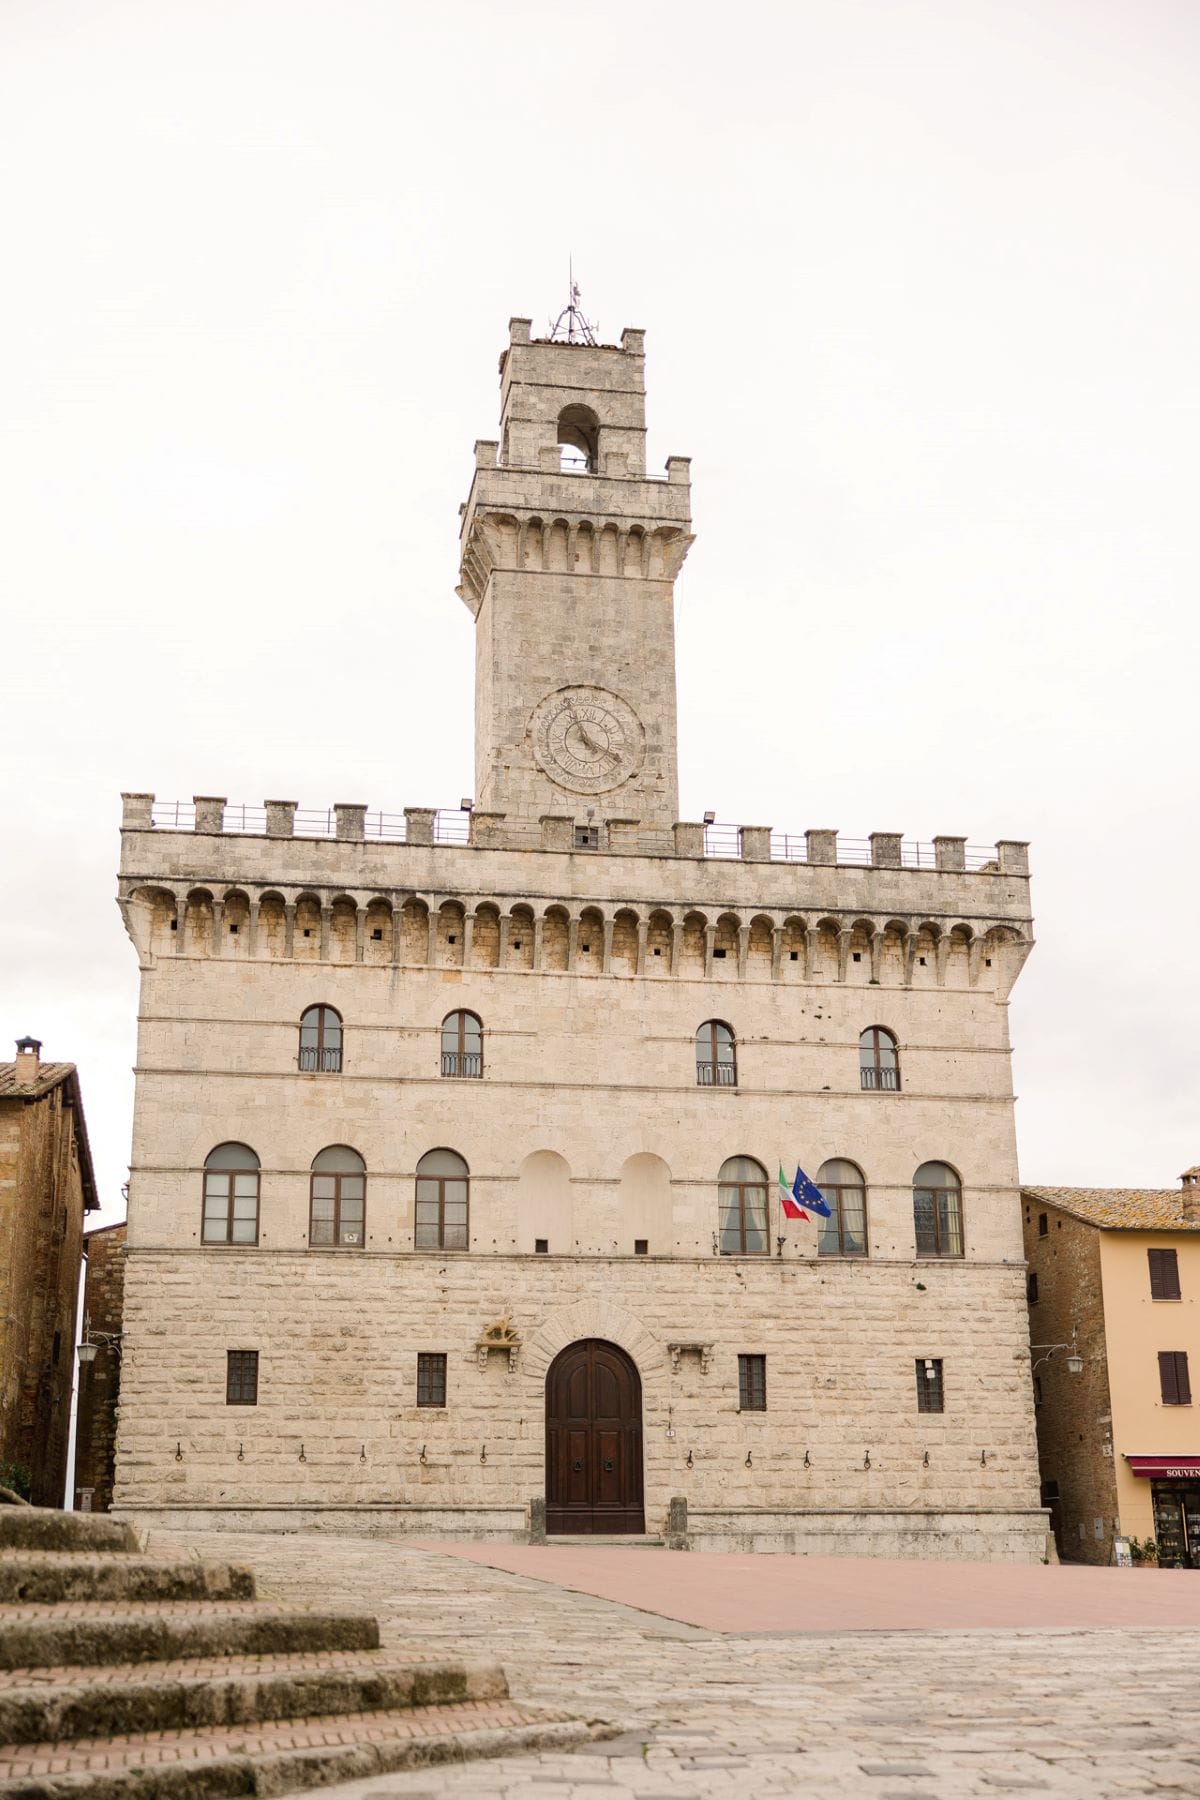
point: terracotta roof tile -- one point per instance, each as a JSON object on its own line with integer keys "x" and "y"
{"x": 1119, "y": 1209}
{"x": 48, "y": 1076}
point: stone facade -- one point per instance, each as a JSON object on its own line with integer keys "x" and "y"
{"x": 100, "y": 1380}
{"x": 592, "y": 934}
{"x": 46, "y": 1186}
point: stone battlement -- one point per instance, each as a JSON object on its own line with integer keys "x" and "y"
{"x": 213, "y": 815}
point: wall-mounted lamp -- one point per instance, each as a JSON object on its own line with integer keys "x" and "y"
{"x": 96, "y": 1340}
{"x": 1074, "y": 1360}
{"x": 467, "y": 804}
{"x": 710, "y": 818}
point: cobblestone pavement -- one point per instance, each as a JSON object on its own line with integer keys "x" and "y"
{"x": 884, "y": 1715}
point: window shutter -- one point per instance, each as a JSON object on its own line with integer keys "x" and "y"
{"x": 1164, "y": 1275}
{"x": 1182, "y": 1385}
{"x": 1167, "y": 1377}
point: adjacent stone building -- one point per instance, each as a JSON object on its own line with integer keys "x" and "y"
{"x": 453, "y": 1201}
{"x": 1114, "y": 1281}
{"x": 100, "y": 1373}
{"x": 46, "y": 1187}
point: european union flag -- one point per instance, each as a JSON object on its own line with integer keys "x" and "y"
{"x": 807, "y": 1193}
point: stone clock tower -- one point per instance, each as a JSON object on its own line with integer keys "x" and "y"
{"x": 569, "y": 557}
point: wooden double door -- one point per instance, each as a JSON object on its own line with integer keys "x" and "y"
{"x": 594, "y": 1441}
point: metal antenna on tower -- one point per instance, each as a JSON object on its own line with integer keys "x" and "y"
{"x": 571, "y": 327}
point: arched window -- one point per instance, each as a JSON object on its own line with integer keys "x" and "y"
{"x": 937, "y": 1210}
{"x": 578, "y": 438}
{"x": 230, "y": 1195}
{"x": 844, "y": 1232}
{"x": 743, "y": 1207}
{"x": 443, "y": 1188}
{"x": 320, "y": 1041}
{"x": 879, "y": 1060}
{"x": 337, "y": 1198}
{"x": 716, "y": 1055}
{"x": 462, "y": 1044}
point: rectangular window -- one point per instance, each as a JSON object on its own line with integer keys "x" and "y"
{"x": 431, "y": 1379}
{"x": 587, "y": 837}
{"x": 1043, "y": 1225}
{"x": 1164, "y": 1274}
{"x": 541, "y": 1246}
{"x": 241, "y": 1378}
{"x": 641, "y": 1246}
{"x": 1031, "y": 1288}
{"x": 930, "y": 1393}
{"x": 752, "y": 1383}
{"x": 1173, "y": 1378}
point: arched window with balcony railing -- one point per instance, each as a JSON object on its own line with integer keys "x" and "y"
{"x": 578, "y": 440}
{"x": 462, "y": 1045}
{"x": 716, "y": 1055}
{"x": 320, "y": 1041}
{"x": 878, "y": 1061}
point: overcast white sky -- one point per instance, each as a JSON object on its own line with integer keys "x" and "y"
{"x": 920, "y": 279}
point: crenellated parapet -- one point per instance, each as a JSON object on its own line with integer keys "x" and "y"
{"x": 457, "y": 895}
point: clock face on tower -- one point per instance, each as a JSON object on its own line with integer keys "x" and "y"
{"x": 587, "y": 739}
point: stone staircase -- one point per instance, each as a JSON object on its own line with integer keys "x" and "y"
{"x": 127, "y": 1677}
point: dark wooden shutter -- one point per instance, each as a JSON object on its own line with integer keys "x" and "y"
{"x": 1164, "y": 1274}
{"x": 1173, "y": 1378}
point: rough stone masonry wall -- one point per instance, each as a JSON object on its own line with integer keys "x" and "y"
{"x": 100, "y": 1381}
{"x": 338, "y": 1338}
{"x": 41, "y": 1234}
{"x": 1074, "y": 1414}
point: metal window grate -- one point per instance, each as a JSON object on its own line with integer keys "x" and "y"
{"x": 241, "y": 1378}
{"x": 752, "y": 1383}
{"x": 431, "y": 1378}
{"x": 930, "y": 1391}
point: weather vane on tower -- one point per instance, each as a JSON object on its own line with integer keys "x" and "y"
{"x": 571, "y": 327}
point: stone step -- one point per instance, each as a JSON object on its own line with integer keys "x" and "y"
{"x": 44, "y": 1577}
{"x": 55, "y": 1705}
{"x": 41, "y": 1528}
{"x": 279, "y": 1757}
{"x": 86, "y": 1632}
{"x": 634, "y": 1541}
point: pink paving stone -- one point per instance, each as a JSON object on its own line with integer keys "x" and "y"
{"x": 744, "y": 1593}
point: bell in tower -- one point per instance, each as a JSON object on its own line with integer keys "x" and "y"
{"x": 569, "y": 556}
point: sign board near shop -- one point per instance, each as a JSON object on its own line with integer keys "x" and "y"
{"x": 1166, "y": 1468}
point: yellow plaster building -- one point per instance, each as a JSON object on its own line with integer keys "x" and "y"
{"x": 1115, "y": 1274}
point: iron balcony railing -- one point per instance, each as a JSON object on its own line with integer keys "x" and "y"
{"x": 320, "y": 1059}
{"x": 884, "y": 1080}
{"x": 710, "y": 1074}
{"x": 466, "y": 1064}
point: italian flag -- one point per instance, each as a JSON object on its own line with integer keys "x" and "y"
{"x": 788, "y": 1203}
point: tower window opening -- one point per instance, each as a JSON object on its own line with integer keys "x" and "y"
{"x": 578, "y": 438}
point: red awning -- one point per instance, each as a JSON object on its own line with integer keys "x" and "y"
{"x": 1165, "y": 1468}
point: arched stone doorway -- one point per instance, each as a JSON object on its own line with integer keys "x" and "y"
{"x": 594, "y": 1441}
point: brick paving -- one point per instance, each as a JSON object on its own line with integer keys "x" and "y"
{"x": 156, "y": 1747}
{"x": 1080, "y": 1710}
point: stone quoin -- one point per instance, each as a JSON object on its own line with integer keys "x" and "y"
{"x": 453, "y": 1203}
